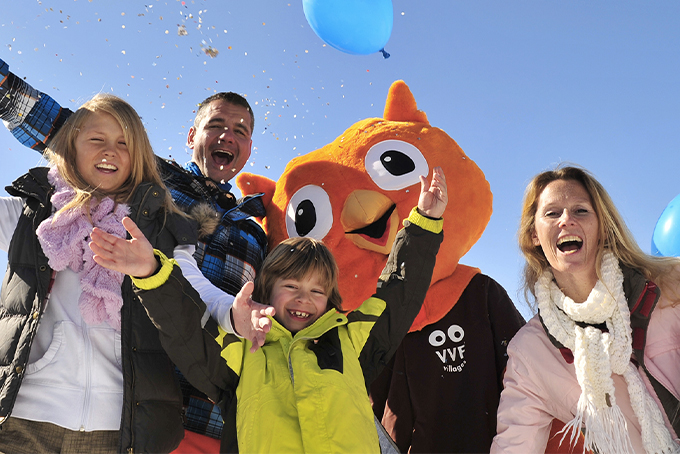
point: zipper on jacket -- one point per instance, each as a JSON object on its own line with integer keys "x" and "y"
{"x": 290, "y": 360}
{"x": 290, "y": 349}
{"x": 128, "y": 385}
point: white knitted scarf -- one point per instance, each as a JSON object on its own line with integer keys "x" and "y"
{"x": 597, "y": 355}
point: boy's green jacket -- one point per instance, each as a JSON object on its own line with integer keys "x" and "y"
{"x": 302, "y": 393}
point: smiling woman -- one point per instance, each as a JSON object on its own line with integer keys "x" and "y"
{"x": 602, "y": 331}
{"x": 566, "y": 230}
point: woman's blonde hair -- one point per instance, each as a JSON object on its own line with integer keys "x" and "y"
{"x": 612, "y": 231}
{"x": 296, "y": 258}
{"x": 62, "y": 152}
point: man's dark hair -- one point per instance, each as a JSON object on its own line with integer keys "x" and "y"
{"x": 231, "y": 98}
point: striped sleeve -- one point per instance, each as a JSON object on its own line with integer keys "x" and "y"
{"x": 31, "y": 116}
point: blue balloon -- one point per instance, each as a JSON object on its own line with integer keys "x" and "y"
{"x": 666, "y": 237}
{"x": 354, "y": 26}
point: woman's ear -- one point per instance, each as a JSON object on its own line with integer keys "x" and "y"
{"x": 534, "y": 238}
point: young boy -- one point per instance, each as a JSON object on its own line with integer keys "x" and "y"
{"x": 305, "y": 390}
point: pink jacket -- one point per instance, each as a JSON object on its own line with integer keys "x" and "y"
{"x": 540, "y": 385}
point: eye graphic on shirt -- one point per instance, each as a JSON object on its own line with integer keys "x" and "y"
{"x": 451, "y": 354}
{"x": 438, "y": 337}
{"x": 395, "y": 164}
{"x": 309, "y": 213}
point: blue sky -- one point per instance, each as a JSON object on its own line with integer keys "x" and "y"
{"x": 520, "y": 85}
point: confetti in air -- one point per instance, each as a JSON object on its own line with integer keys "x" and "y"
{"x": 182, "y": 30}
{"x": 209, "y": 50}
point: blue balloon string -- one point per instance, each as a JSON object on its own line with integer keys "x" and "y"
{"x": 385, "y": 54}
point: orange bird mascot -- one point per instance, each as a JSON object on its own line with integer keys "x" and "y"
{"x": 440, "y": 391}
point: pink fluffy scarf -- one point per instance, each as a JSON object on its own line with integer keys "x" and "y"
{"x": 65, "y": 238}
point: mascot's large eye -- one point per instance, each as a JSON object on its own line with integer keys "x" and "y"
{"x": 395, "y": 164}
{"x": 309, "y": 213}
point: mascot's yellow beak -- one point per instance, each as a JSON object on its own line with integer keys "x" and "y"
{"x": 370, "y": 220}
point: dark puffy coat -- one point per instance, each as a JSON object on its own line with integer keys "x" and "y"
{"x": 152, "y": 402}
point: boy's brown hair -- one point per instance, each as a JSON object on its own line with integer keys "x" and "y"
{"x": 295, "y": 258}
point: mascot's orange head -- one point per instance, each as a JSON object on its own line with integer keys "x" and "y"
{"x": 354, "y": 192}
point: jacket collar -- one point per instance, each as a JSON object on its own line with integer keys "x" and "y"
{"x": 634, "y": 284}
{"x": 33, "y": 184}
{"x": 193, "y": 168}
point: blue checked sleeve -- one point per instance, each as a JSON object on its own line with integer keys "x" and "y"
{"x": 31, "y": 116}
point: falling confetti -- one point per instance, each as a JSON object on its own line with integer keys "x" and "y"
{"x": 182, "y": 30}
{"x": 210, "y": 51}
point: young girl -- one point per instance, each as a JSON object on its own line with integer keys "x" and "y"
{"x": 81, "y": 365}
{"x": 305, "y": 390}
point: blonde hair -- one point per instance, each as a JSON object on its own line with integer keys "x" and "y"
{"x": 612, "y": 232}
{"x": 143, "y": 165}
{"x": 296, "y": 258}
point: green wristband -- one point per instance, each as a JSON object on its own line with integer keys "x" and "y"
{"x": 431, "y": 225}
{"x": 159, "y": 278}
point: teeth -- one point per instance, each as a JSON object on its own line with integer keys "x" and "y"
{"x": 300, "y": 314}
{"x": 229, "y": 153}
{"x": 564, "y": 239}
{"x": 106, "y": 166}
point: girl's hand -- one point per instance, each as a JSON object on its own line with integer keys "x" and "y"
{"x": 133, "y": 257}
{"x": 433, "y": 199}
{"x": 250, "y": 318}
